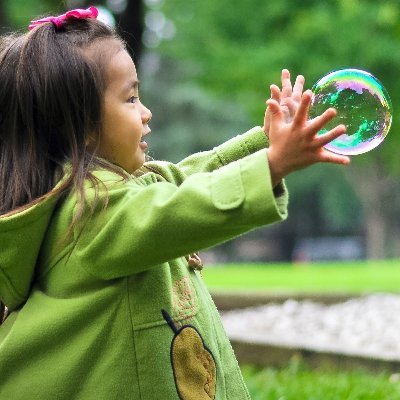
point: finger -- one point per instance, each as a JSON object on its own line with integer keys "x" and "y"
{"x": 320, "y": 121}
{"x": 286, "y": 84}
{"x": 266, "y": 120}
{"x": 287, "y": 117}
{"x": 301, "y": 116}
{"x": 290, "y": 104}
{"x": 329, "y": 157}
{"x": 276, "y": 114}
{"x": 298, "y": 88}
{"x": 324, "y": 139}
{"x": 275, "y": 93}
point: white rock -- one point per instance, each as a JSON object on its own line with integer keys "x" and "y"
{"x": 368, "y": 325}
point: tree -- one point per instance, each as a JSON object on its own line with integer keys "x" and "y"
{"x": 238, "y": 49}
{"x": 129, "y": 22}
{"x": 131, "y": 26}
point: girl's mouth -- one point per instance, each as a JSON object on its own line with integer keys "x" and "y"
{"x": 143, "y": 144}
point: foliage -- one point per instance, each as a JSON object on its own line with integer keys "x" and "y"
{"x": 185, "y": 118}
{"x": 21, "y": 12}
{"x": 325, "y": 190}
{"x": 349, "y": 277}
{"x": 297, "y": 381}
{"x": 239, "y": 50}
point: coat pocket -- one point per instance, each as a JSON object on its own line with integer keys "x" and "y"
{"x": 227, "y": 191}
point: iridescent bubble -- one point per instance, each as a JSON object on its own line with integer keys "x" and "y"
{"x": 363, "y": 106}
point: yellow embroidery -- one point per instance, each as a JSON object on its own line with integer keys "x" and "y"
{"x": 184, "y": 300}
{"x": 193, "y": 364}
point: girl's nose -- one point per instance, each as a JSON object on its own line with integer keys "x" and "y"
{"x": 146, "y": 114}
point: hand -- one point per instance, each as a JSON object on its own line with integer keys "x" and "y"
{"x": 288, "y": 98}
{"x": 296, "y": 145}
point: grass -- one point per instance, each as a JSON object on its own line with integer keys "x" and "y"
{"x": 349, "y": 277}
{"x": 297, "y": 382}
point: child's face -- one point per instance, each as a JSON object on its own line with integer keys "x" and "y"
{"x": 125, "y": 118}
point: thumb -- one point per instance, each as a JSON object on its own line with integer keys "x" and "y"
{"x": 276, "y": 114}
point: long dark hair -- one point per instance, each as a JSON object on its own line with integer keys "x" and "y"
{"x": 52, "y": 83}
{"x": 51, "y": 93}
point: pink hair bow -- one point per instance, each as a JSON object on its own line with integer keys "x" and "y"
{"x": 79, "y": 13}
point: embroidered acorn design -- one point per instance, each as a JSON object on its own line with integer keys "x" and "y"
{"x": 192, "y": 362}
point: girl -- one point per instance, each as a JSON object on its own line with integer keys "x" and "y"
{"x": 98, "y": 264}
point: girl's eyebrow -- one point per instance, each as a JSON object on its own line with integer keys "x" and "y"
{"x": 133, "y": 84}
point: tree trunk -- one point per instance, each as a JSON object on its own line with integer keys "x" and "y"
{"x": 131, "y": 27}
{"x": 130, "y": 23}
{"x": 378, "y": 196}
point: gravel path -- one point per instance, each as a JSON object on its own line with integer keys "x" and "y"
{"x": 366, "y": 326}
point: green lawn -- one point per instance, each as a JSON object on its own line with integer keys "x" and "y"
{"x": 297, "y": 382}
{"x": 354, "y": 277}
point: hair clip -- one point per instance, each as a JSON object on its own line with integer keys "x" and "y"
{"x": 79, "y": 13}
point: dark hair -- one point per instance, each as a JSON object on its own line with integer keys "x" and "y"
{"x": 51, "y": 93}
{"x": 52, "y": 83}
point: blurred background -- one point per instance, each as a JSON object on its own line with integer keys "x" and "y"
{"x": 206, "y": 67}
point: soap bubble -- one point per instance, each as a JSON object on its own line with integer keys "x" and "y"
{"x": 363, "y": 106}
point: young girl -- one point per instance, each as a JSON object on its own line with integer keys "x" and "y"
{"x": 98, "y": 266}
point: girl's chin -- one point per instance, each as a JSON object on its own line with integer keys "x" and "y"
{"x": 138, "y": 162}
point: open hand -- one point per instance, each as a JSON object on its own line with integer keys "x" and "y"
{"x": 295, "y": 145}
{"x": 288, "y": 98}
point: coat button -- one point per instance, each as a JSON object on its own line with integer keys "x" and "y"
{"x": 194, "y": 262}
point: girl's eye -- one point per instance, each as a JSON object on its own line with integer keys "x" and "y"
{"x": 132, "y": 99}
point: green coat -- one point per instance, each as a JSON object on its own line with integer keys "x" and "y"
{"x": 116, "y": 312}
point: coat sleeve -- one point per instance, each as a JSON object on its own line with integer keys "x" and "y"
{"x": 234, "y": 149}
{"x": 147, "y": 225}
